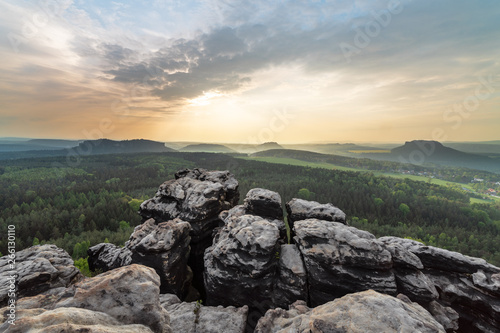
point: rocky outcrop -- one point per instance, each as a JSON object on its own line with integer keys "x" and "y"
{"x": 241, "y": 265}
{"x": 362, "y": 312}
{"x": 242, "y": 258}
{"x": 299, "y": 209}
{"x": 196, "y": 196}
{"x": 69, "y": 320}
{"x": 128, "y": 294}
{"x": 450, "y": 283}
{"x": 264, "y": 203}
{"x": 291, "y": 282}
{"x": 105, "y": 256}
{"x": 38, "y": 268}
{"x": 340, "y": 259}
{"x": 195, "y": 318}
{"x": 164, "y": 247}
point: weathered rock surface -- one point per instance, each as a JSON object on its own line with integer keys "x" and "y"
{"x": 264, "y": 203}
{"x": 129, "y": 294}
{"x": 68, "y": 320}
{"x": 299, "y": 209}
{"x": 196, "y": 318}
{"x": 441, "y": 259}
{"x": 105, "y": 256}
{"x": 340, "y": 259}
{"x": 291, "y": 283}
{"x": 164, "y": 247}
{"x": 39, "y": 268}
{"x": 446, "y": 316}
{"x": 241, "y": 265}
{"x": 464, "y": 284}
{"x": 196, "y": 196}
{"x": 362, "y": 312}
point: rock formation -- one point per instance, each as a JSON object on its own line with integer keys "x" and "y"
{"x": 366, "y": 311}
{"x": 164, "y": 247}
{"x": 338, "y": 278}
{"x": 196, "y": 318}
{"x": 194, "y": 200}
{"x": 38, "y": 268}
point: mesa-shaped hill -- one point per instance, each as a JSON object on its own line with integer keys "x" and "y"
{"x": 207, "y": 148}
{"x": 106, "y": 146}
{"x": 423, "y": 151}
{"x": 268, "y": 146}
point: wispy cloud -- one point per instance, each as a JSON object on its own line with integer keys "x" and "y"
{"x": 159, "y": 58}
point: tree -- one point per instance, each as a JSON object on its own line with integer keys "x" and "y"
{"x": 305, "y": 194}
{"x": 36, "y": 241}
{"x": 404, "y": 209}
{"x": 378, "y": 201}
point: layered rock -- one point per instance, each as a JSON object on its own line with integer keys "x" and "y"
{"x": 241, "y": 265}
{"x": 196, "y": 318}
{"x": 453, "y": 283}
{"x": 361, "y": 312}
{"x": 121, "y": 297}
{"x": 299, "y": 209}
{"x": 69, "y": 320}
{"x": 196, "y": 196}
{"x": 291, "y": 282}
{"x": 164, "y": 247}
{"x": 340, "y": 259}
{"x": 38, "y": 268}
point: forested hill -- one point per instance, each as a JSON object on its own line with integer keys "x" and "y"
{"x": 435, "y": 152}
{"x": 106, "y": 146}
{"x": 90, "y": 147}
{"x": 80, "y": 205}
{"x": 455, "y": 174}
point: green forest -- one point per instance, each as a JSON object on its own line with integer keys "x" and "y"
{"x": 95, "y": 199}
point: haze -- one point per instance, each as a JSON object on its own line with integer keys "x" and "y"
{"x": 250, "y": 71}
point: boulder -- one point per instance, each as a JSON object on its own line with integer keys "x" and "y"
{"x": 241, "y": 265}
{"x": 416, "y": 285}
{"x": 265, "y": 203}
{"x": 446, "y": 316}
{"x": 478, "y": 308}
{"x": 366, "y": 311}
{"x": 441, "y": 259}
{"x": 196, "y": 196}
{"x": 68, "y": 320}
{"x": 105, "y": 256}
{"x": 195, "y": 318}
{"x": 340, "y": 259}
{"x": 129, "y": 294}
{"x": 38, "y": 268}
{"x": 164, "y": 247}
{"x": 299, "y": 209}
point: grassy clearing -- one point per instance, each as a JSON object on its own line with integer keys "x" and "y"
{"x": 292, "y": 161}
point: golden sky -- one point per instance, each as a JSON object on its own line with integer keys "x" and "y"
{"x": 251, "y": 72}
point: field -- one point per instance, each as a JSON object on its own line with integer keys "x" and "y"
{"x": 292, "y": 161}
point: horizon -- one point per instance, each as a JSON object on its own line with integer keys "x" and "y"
{"x": 287, "y": 71}
{"x": 24, "y": 139}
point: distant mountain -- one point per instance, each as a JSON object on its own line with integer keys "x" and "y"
{"x": 207, "y": 148}
{"x": 267, "y": 146}
{"x": 35, "y": 144}
{"x": 106, "y": 146}
{"x": 491, "y": 147}
{"x": 424, "y": 152}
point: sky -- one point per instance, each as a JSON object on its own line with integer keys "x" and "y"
{"x": 251, "y": 71}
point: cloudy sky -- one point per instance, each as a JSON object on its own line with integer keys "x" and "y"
{"x": 251, "y": 71}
